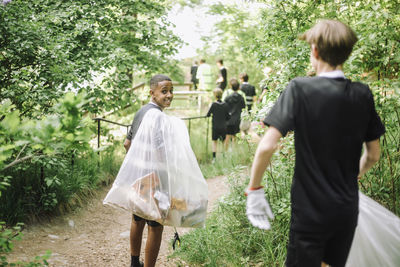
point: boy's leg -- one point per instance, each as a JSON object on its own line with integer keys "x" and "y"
{"x": 338, "y": 247}
{"x": 320, "y": 249}
{"x": 153, "y": 243}
{"x": 214, "y": 139}
{"x": 214, "y": 147}
{"x": 137, "y": 226}
{"x": 227, "y": 140}
{"x": 304, "y": 249}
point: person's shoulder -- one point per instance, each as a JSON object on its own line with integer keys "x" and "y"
{"x": 142, "y": 110}
{"x": 154, "y": 110}
{"x": 300, "y": 84}
{"x": 299, "y": 81}
{"x": 362, "y": 87}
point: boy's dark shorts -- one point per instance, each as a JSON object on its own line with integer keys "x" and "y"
{"x": 149, "y": 223}
{"x": 308, "y": 249}
{"x": 218, "y": 134}
{"x": 232, "y": 129}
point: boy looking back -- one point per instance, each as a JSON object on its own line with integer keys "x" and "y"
{"x": 161, "y": 92}
{"x": 332, "y": 118}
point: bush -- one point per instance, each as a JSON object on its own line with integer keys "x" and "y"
{"x": 228, "y": 239}
{"x": 51, "y": 186}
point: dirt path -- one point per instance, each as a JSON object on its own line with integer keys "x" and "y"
{"x": 97, "y": 235}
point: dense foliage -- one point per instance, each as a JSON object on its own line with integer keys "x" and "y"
{"x": 60, "y": 62}
{"x": 49, "y": 47}
{"x": 228, "y": 239}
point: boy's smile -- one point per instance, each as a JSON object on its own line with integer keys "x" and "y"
{"x": 163, "y": 94}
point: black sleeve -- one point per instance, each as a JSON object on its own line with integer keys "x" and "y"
{"x": 137, "y": 120}
{"x": 134, "y": 127}
{"x": 223, "y": 73}
{"x": 375, "y": 126}
{"x": 282, "y": 114}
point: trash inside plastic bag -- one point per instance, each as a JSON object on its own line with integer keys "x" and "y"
{"x": 160, "y": 178}
{"x": 377, "y": 238}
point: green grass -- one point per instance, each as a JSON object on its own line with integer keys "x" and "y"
{"x": 228, "y": 239}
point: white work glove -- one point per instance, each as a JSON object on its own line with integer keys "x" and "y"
{"x": 257, "y": 209}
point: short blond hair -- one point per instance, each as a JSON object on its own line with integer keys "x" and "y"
{"x": 333, "y": 39}
{"x": 217, "y": 93}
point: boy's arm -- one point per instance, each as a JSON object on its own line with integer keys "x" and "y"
{"x": 257, "y": 208}
{"x": 262, "y": 158}
{"x": 372, "y": 151}
{"x": 127, "y": 144}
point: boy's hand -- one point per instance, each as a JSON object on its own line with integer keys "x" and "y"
{"x": 258, "y": 210}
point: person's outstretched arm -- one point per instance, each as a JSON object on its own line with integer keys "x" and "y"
{"x": 262, "y": 158}
{"x": 372, "y": 151}
{"x": 258, "y": 210}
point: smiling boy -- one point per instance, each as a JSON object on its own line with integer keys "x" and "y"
{"x": 161, "y": 92}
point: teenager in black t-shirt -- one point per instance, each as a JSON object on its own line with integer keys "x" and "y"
{"x": 222, "y": 76}
{"x": 332, "y": 118}
{"x": 248, "y": 89}
{"x": 220, "y": 114}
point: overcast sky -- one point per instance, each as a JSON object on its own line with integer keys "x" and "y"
{"x": 191, "y": 23}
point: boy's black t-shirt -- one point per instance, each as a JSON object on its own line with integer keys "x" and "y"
{"x": 220, "y": 113}
{"x": 223, "y": 73}
{"x": 249, "y": 91}
{"x": 331, "y": 118}
{"x": 235, "y": 104}
{"x": 137, "y": 120}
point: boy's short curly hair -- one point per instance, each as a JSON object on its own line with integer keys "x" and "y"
{"x": 244, "y": 76}
{"x": 234, "y": 83}
{"x": 158, "y": 78}
{"x": 333, "y": 39}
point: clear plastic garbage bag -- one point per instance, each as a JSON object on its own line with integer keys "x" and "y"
{"x": 160, "y": 178}
{"x": 377, "y": 238}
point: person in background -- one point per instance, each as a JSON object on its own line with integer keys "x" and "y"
{"x": 220, "y": 115}
{"x": 248, "y": 89}
{"x": 235, "y": 104}
{"x": 205, "y": 76}
{"x": 332, "y": 119}
{"x": 193, "y": 72}
{"x": 222, "y": 76}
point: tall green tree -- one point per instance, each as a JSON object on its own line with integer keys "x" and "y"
{"x": 232, "y": 39}
{"x": 50, "y": 47}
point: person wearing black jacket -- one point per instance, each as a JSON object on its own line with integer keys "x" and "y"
{"x": 221, "y": 82}
{"x": 235, "y": 104}
{"x": 193, "y": 73}
{"x": 220, "y": 115}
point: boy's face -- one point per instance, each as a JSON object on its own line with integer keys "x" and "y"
{"x": 163, "y": 94}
